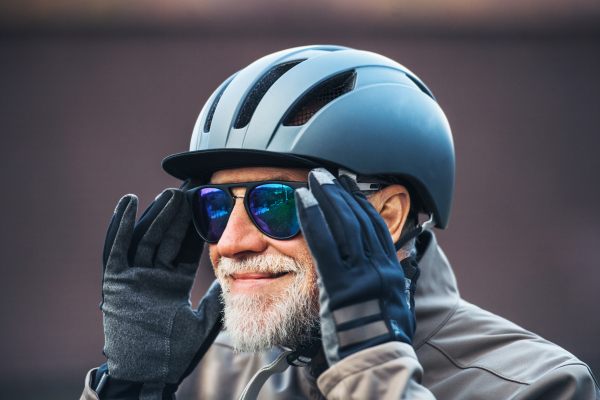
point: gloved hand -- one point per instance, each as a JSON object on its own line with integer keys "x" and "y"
{"x": 364, "y": 296}
{"x": 153, "y": 339}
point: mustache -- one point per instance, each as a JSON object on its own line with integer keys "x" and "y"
{"x": 265, "y": 263}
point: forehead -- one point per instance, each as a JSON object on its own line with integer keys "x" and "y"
{"x": 253, "y": 174}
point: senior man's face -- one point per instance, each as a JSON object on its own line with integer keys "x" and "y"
{"x": 270, "y": 293}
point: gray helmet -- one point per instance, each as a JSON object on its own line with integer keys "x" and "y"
{"x": 327, "y": 106}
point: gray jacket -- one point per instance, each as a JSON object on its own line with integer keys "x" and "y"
{"x": 460, "y": 352}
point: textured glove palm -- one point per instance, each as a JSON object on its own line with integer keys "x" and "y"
{"x": 365, "y": 297}
{"x": 152, "y": 336}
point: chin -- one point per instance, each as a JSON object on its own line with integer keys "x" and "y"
{"x": 259, "y": 322}
{"x": 273, "y": 302}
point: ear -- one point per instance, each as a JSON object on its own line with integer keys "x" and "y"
{"x": 393, "y": 204}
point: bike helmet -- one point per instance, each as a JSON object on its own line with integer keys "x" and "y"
{"x": 328, "y": 106}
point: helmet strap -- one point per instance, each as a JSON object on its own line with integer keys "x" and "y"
{"x": 414, "y": 233}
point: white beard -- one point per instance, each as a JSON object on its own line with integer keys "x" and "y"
{"x": 261, "y": 321}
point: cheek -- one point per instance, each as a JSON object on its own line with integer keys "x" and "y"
{"x": 295, "y": 248}
{"x": 214, "y": 255}
{"x": 301, "y": 253}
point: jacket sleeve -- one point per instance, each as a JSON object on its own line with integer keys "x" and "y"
{"x": 567, "y": 382}
{"x": 388, "y": 371}
{"x": 88, "y": 392}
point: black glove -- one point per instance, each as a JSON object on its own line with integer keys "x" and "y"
{"x": 153, "y": 339}
{"x": 364, "y": 296}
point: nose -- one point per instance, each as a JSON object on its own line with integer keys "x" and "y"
{"x": 241, "y": 237}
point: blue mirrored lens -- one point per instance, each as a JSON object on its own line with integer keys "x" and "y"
{"x": 212, "y": 213}
{"x": 273, "y": 208}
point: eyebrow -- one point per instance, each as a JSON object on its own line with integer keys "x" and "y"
{"x": 282, "y": 177}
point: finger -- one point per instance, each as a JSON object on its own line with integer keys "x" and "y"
{"x": 191, "y": 248}
{"x": 343, "y": 223}
{"x": 186, "y": 185}
{"x": 145, "y": 212}
{"x": 142, "y": 226}
{"x": 348, "y": 184}
{"x": 381, "y": 230}
{"x": 113, "y": 227}
{"x": 180, "y": 243}
{"x": 371, "y": 242}
{"x": 315, "y": 230}
{"x": 118, "y": 237}
{"x": 119, "y": 233}
{"x": 149, "y": 231}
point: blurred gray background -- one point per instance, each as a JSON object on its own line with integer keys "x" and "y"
{"x": 94, "y": 95}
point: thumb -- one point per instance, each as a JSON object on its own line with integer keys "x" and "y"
{"x": 120, "y": 230}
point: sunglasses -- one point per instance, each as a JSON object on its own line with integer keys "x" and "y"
{"x": 271, "y": 206}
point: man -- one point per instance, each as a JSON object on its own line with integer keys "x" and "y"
{"x": 306, "y": 174}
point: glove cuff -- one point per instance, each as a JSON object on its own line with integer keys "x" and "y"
{"x": 110, "y": 388}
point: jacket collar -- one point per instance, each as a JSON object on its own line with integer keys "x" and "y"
{"x": 437, "y": 294}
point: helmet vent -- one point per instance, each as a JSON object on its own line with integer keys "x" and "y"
{"x": 211, "y": 113}
{"x": 259, "y": 90}
{"x": 319, "y": 97}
